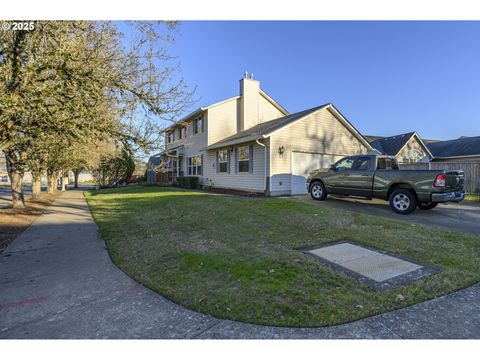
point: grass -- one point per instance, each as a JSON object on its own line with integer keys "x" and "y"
{"x": 237, "y": 258}
{"x": 472, "y": 197}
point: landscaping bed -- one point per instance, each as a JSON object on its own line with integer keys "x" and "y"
{"x": 14, "y": 221}
{"x": 238, "y": 258}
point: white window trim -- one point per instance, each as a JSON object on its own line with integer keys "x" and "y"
{"x": 192, "y": 170}
{"x": 223, "y": 162}
{"x": 244, "y": 160}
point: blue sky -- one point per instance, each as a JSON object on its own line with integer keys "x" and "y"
{"x": 387, "y": 78}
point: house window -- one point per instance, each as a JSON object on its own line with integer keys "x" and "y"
{"x": 243, "y": 159}
{"x": 181, "y": 132}
{"x": 223, "y": 161}
{"x": 198, "y": 125}
{"x": 170, "y": 137}
{"x": 195, "y": 165}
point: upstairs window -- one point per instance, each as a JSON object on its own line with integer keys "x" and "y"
{"x": 170, "y": 137}
{"x": 180, "y": 132}
{"x": 198, "y": 125}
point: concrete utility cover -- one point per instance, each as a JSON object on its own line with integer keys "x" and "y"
{"x": 371, "y": 264}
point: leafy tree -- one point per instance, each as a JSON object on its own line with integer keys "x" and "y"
{"x": 71, "y": 83}
{"x": 116, "y": 169}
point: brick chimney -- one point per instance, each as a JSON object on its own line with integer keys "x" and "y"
{"x": 249, "y": 102}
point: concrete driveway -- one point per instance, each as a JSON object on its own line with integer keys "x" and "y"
{"x": 463, "y": 217}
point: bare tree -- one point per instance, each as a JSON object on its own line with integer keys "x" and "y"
{"x": 69, "y": 83}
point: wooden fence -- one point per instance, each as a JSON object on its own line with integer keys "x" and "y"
{"x": 472, "y": 171}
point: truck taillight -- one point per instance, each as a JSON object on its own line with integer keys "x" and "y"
{"x": 440, "y": 181}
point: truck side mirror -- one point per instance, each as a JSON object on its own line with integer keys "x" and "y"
{"x": 332, "y": 167}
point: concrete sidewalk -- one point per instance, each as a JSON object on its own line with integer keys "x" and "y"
{"x": 57, "y": 281}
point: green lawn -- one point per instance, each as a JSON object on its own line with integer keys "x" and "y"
{"x": 237, "y": 258}
{"x": 472, "y": 197}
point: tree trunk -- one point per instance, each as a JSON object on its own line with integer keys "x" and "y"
{"x": 36, "y": 184}
{"x": 76, "y": 173}
{"x": 52, "y": 182}
{"x": 15, "y": 173}
{"x": 63, "y": 181}
{"x": 16, "y": 179}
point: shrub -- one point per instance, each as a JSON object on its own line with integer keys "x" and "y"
{"x": 187, "y": 182}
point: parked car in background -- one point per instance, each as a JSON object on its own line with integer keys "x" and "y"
{"x": 132, "y": 180}
{"x": 374, "y": 176}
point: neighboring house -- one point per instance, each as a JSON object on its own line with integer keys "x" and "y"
{"x": 464, "y": 149}
{"x": 152, "y": 164}
{"x": 251, "y": 143}
{"x": 407, "y": 148}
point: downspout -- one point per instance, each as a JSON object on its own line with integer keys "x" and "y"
{"x": 264, "y": 166}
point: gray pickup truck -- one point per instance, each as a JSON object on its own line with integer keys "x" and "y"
{"x": 374, "y": 176}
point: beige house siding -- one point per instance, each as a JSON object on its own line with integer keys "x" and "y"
{"x": 413, "y": 151}
{"x": 193, "y": 144}
{"x": 222, "y": 121}
{"x": 241, "y": 181}
{"x": 320, "y": 132}
{"x": 267, "y": 111}
{"x": 189, "y": 138}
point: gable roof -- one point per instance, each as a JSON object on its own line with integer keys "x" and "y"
{"x": 273, "y": 102}
{"x": 463, "y": 147}
{"x": 266, "y": 128}
{"x": 154, "y": 159}
{"x": 371, "y": 138}
{"x": 390, "y": 145}
{"x": 203, "y": 108}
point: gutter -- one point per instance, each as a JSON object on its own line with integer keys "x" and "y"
{"x": 264, "y": 166}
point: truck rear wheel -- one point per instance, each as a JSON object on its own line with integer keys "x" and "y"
{"x": 403, "y": 201}
{"x": 317, "y": 191}
{"x": 426, "y": 205}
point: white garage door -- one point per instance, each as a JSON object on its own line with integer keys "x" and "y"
{"x": 303, "y": 164}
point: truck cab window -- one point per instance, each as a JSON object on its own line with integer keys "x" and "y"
{"x": 362, "y": 163}
{"x": 345, "y": 164}
{"x": 387, "y": 164}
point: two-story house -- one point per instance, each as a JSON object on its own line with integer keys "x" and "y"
{"x": 251, "y": 143}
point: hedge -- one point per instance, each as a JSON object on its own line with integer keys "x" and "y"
{"x": 187, "y": 182}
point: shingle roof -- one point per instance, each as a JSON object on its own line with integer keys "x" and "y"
{"x": 390, "y": 145}
{"x": 371, "y": 138}
{"x": 465, "y": 146}
{"x": 256, "y": 132}
{"x": 154, "y": 159}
